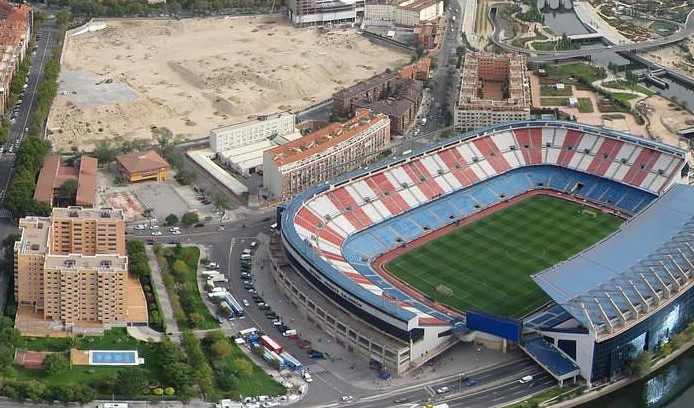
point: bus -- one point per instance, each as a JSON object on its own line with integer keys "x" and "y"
{"x": 270, "y": 356}
{"x": 271, "y": 344}
{"x": 291, "y": 362}
{"x": 248, "y": 332}
{"x": 234, "y": 306}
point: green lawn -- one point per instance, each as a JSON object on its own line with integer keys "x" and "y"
{"x": 543, "y": 45}
{"x": 551, "y": 90}
{"x": 553, "y": 101}
{"x": 190, "y": 287}
{"x": 488, "y": 263}
{"x": 114, "y": 339}
{"x": 623, "y": 97}
{"x": 626, "y": 85}
{"x": 579, "y": 71}
{"x": 258, "y": 382}
{"x": 585, "y": 105}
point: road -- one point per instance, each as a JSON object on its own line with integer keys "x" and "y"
{"x": 48, "y": 39}
{"x": 685, "y": 30}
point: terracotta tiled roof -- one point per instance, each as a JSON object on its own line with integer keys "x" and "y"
{"x": 142, "y": 162}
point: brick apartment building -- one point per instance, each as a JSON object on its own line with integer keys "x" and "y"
{"x": 397, "y": 95}
{"x": 72, "y": 268}
{"x": 492, "y": 89}
{"x": 53, "y": 174}
{"x": 327, "y": 153}
{"x": 401, "y": 106}
{"x": 15, "y": 33}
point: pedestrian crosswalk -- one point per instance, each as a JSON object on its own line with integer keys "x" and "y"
{"x": 314, "y": 368}
{"x": 5, "y": 213}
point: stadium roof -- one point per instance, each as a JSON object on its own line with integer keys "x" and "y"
{"x": 631, "y": 273}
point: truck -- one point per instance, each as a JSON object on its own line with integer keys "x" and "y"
{"x": 290, "y": 361}
{"x": 292, "y": 334}
{"x": 271, "y": 344}
{"x": 210, "y": 273}
{"x": 217, "y": 278}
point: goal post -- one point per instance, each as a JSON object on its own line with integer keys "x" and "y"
{"x": 444, "y": 290}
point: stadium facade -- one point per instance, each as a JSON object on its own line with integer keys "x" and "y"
{"x": 330, "y": 234}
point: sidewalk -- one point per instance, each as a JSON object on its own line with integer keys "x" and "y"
{"x": 161, "y": 293}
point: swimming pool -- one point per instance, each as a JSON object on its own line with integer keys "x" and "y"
{"x": 113, "y": 357}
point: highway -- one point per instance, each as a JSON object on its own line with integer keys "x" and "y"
{"x": 685, "y": 30}
{"x": 22, "y": 121}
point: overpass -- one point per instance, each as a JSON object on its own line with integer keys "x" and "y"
{"x": 684, "y": 31}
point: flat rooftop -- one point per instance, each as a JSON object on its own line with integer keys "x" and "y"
{"x": 103, "y": 213}
{"x": 258, "y": 119}
{"x": 34, "y": 235}
{"x": 104, "y": 262}
{"x": 324, "y": 138}
{"x": 476, "y": 72}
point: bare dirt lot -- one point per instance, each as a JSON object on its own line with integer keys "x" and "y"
{"x": 192, "y": 75}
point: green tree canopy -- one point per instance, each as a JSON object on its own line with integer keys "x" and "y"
{"x": 54, "y": 364}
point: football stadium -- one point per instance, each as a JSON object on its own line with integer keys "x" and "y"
{"x": 573, "y": 242}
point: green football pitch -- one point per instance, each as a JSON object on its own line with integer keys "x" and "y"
{"x": 487, "y": 264}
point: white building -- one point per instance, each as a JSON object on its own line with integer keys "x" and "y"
{"x": 406, "y": 13}
{"x": 327, "y": 153}
{"x": 244, "y": 133}
{"x": 324, "y": 12}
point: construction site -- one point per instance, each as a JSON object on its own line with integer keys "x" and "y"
{"x": 132, "y": 75}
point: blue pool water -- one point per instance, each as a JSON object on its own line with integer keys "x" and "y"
{"x": 113, "y": 358}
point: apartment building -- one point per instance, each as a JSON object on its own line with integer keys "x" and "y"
{"x": 376, "y": 87}
{"x": 401, "y": 106}
{"x": 407, "y": 13}
{"x": 54, "y": 174}
{"x": 72, "y": 268}
{"x": 15, "y": 32}
{"x": 260, "y": 129}
{"x": 329, "y": 152}
{"x": 306, "y": 13}
{"x": 492, "y": 89}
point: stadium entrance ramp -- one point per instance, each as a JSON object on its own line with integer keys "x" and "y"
{"x": 550, "y": 359}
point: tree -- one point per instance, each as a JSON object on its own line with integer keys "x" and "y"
{"x": 221, "y": 348}
{"x": 221, "y": 201}
{"x": 190, "y": 218}
{"x": 158, "y": 391}
{"x": 169, "y": 391}
{"x": 55, "y": 364}
{"x": 163, "y": 136}
{"x": 195, "y": 319}
{"x": 179, "y": 267}
{"x": 666, "y": 349}
{"x": 68, "y": 191}
{"x": 148, "y": 213}
{"x": 171, "y": 219}
{"x": 185, "y": 176}
{"x": 678, "y": 340}
{"x": 104, "y": 152}
{"x": 63, "y": 17}
{"x": 130, "y": 381}
{"x": 641, "y": 364}
{"x": 243, "y": 366}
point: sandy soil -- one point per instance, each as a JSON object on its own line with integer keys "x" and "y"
{"x": 673, "y": 57}
{"x": 666, "y": 119}
{"x": 193, "y": 75}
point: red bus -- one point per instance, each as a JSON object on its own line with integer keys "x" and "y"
{"x": 271, "y": 344}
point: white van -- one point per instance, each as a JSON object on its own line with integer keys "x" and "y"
{"x": 526, "y": 379}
